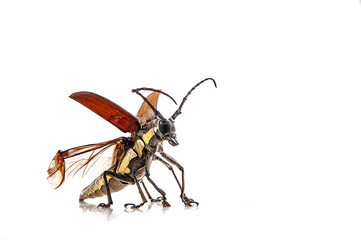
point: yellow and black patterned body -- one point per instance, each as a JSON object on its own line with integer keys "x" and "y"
{"x": 132, "y": 156}
{"x": 133, "y": 160}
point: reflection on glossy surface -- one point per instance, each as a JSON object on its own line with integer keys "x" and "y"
{"x": 109, "y": 214}
{"x": 193, "y": 208}
{"x": 93, "y": 208}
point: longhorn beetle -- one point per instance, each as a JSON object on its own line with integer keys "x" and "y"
{"x": 132, "y": 156}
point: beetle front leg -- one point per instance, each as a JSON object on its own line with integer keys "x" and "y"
{"x": 187, "y": 201}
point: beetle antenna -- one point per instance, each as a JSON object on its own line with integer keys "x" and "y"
{"x": 155, "y": 90}
{"x": 185, "y": 98}
{"x": 157, "y": 113}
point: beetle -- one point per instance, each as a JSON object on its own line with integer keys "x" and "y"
{"x": 132, "y": 156}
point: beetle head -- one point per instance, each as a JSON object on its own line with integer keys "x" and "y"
{"x": 165, "y": 129}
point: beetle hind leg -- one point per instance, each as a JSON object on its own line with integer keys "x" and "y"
{"x": 103, "y": 205}
{"x": 110, "y": 201}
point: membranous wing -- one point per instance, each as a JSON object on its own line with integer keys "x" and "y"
{"x": 78, "y": 160}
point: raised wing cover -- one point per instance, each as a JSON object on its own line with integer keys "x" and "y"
{"x": 145, "y": 112}
{"x": 108, "y": 110}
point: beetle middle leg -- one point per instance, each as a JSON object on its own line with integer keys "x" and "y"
{"x": 164, "y": 202}
{"x": 147, "y": 174}
{"x": 148, "y": 194}
{"x": 144, "y": 199}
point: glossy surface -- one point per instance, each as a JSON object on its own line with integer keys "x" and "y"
{"x": 108, "y": 110}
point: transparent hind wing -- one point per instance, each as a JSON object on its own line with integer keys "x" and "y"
{"x": 79, "y": 160}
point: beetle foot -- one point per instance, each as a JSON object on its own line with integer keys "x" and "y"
{"x": 189, "y": 202}
{"x": 103, "y": 205}
{"x": 165, "y": 204}
{"x": 158, "y": 199}
{"x": 133, "y": 206}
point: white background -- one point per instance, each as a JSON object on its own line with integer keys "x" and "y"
{"x": 272, "y": 153}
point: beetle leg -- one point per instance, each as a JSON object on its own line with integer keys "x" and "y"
{"x": 123, "y": 179}
{"x": 110, "y": 201}
{"x": 144, "y": 199}
{"x": 147, "y": 174}
{"x": 170, "y": 168}
{"x": 187, "y": 201}
{"x": 148, "y": 194}
{"x": 164, "y": 202}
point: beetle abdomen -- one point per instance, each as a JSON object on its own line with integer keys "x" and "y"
{"x": 97, "y": 187}
{"x": 132, "y": 157}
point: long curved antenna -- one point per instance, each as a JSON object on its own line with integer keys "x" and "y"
{"x": 157, "y": 113}
{"x": 185, "y": 98}
{"x": 154, "y": 90}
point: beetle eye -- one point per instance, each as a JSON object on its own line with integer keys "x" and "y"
{"x": 164, "y": 127}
